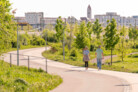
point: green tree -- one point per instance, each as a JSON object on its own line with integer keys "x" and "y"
{"x": 60, "y": 33}
{"x": 122, "y": 46}
{"x": 69, "y": 35}
{"x": 133, "y": 34}
{"x": 89, "y": 30}
{"x": 59, "y": 28}
{"x": 76, "y": 28}
{"x": 7, "y": 27}
{"x": 111, "y": 37}
{"x": 97, "y": 29}
{"x": 82, "y": 39}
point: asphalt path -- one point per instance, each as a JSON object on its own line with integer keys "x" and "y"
{"x": 75, "y": 79}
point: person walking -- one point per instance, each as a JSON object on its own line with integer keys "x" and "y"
{"x": 86, "y": 57}
{"x": 99, "y": 54}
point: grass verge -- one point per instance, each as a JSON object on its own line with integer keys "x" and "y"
{"x": 19, "y": 79}
{"x": 129, "y": 64}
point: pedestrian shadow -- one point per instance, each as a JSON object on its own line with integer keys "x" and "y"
{"x": 84, "y": 68}
{"x": 77, "y": 67}
{"x": 74, "y": 71}
{"x": 80, "y": 70}
{"x": 127, "y": 84}
{"x": 123, "y": 85}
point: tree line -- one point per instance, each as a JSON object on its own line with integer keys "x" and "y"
{"x": 93, "y": 34}
{"x": 74, "y": 36}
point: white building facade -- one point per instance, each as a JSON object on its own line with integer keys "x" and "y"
{"x": 34, "y": 18}
{"x": 126, "y": 21}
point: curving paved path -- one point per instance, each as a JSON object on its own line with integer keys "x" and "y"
{"x": 76, "y": 79}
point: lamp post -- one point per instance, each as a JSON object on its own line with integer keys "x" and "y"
{"x": 14, "y": 12}
{"x": 46, "y": 44}
{"x": 43, "y": 26}
{"x": 64, "y": 41}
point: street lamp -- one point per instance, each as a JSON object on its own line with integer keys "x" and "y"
{"x": 43, "y": 26}
{"x": 64, "y": 40}
{"x": 14, "y": 12}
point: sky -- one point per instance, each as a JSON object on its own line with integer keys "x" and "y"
{"x": 76, "y": 8}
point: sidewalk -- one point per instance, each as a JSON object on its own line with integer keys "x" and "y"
{"x": 130, "y": 80}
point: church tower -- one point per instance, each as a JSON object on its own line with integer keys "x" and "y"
{"x": 89, "y": 12}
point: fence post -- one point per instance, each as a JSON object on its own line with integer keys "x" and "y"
{"x": 10, "y": 60}
{"x": 46, "y": 65}
{"x": 28, "y": 63}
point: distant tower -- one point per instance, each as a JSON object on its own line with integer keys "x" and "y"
{"x": 89, "y": 12}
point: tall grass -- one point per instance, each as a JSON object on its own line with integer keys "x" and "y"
{"x": 128, "y": 65}
{"x": 19, "y": 79}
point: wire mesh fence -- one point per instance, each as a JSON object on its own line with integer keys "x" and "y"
{"x": 24, "y": 60}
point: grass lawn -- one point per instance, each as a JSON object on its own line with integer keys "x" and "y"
{"x": 19, "y": 79}
{"x": 130, "y": 63}
{"x": 77, "y": 60}
{"x": 58, "y": 55}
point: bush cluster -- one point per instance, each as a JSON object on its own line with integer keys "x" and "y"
{"x": 51, "y": 37}
{"x": 25, "y": 40}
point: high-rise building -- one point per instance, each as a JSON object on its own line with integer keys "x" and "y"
{"x": 89, "y": 12}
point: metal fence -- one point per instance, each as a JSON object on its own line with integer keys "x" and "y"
{"x": 24, "y": 60}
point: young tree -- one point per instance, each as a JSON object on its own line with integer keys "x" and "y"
{"x": 82, "y": 39}
{"x": 111, "y": 37}
{"x": 97, "y": 29}
{"x": 59, "y": 28}
{"x": 122, "y": 46}
{"x": 89, "y": 30}
{"x": 133, "y": 34}
{"x": 70, "y": 35}
{"x": 60, "y": 32}
{"x": 76, "y": 28}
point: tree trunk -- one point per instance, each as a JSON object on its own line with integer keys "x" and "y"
{"x": 134, "y": 45}
{"x": 70, "y": 40}
{"x": 122, "y": 57}
{"x": 111, "y": 56}
{"x": 122, "y": 51}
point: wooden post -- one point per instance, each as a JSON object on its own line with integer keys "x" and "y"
{"x": 10, "y": 60}
{"x": 28, "y": 63}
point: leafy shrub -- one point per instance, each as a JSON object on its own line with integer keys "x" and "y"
{"x": 136, "y": 46}
{"x": 54, "y": 49}
{"x": 51, "y": 37}
{"x": 14, "y": 44}
{"x": 66, "y": 51}
{"x": 74, "y": 53}
{"x": 1, "y": 82}
{"x": 91, "y": 47}
{"x": 24, "y": 40}
{"x": 73, "y": 58}
{"x": 37, "y": 41}
{"x": 40, "y": 70}
{"x": 19, "y": 80}
{"x": 133, "y": 56}
{"x": 20, "y": 85}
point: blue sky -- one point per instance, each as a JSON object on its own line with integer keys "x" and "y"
{"x": 76, "y": 8}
